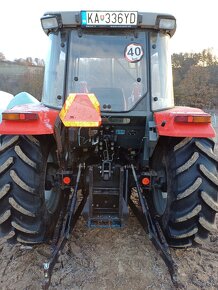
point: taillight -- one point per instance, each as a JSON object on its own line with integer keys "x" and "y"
{"x": 19, "y": 116}
{"x": 193, "y": 118}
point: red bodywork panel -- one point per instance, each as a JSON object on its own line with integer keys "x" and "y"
{"x": 43, "y": 125}
{"x": 166, "y": 125}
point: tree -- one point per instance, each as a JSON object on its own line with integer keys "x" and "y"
{"x": 182, "y": 62}
{"x": 196, "y": 89}
{"x": 2, "y": 57}
{"x": 208, "y": 58}
{"x": 195, "y": 78}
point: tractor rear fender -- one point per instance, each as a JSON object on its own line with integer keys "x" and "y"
{"x": 184, "y": 122}
{"x": 28, "y": 119}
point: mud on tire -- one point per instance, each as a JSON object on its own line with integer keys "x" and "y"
{"x": 189, "y": 177}
{"x": 26, "y": 215}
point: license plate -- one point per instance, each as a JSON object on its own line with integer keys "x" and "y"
{"x": 109, "y": 18}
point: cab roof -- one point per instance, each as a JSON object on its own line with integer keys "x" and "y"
{"x": 146, "y": 20}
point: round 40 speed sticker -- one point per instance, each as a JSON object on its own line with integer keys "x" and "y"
{"x": 134, "y": 52}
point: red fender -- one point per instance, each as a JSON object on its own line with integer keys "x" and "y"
{"x": 40, "y": 122}
{"x": 168, "y": 124}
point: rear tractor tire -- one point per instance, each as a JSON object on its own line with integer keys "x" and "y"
{"x": 185, "y": 193}
{"x": 29, "y": 200}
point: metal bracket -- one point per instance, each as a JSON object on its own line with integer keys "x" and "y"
{"x": 71, "y": 217}
{"x": 106, "y": 170}
{"x": 152, "y": 227}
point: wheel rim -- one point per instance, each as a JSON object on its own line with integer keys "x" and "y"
{"x": 51, "y": 192}
{"x": 160, "y": 195}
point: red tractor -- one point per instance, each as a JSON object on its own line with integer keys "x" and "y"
{"x": 105, "y": 137}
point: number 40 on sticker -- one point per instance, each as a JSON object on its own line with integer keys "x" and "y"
{"x": 134, "y": 52}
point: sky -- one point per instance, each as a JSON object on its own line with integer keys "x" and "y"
{"x": 21, "y": 34}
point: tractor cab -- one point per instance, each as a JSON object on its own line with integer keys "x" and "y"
{"x": 121, "y": 57}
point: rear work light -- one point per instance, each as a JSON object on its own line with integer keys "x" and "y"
{"x": 20, "y": 116}
{"x": 51, "y": 23}
{"x": 193, "y": 119}
{"x": 167, "y": 24}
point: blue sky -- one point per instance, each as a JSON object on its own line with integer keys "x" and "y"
{"x": 21, "y": 34}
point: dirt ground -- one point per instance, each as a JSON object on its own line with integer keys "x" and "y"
{"x": 109, "y": 259}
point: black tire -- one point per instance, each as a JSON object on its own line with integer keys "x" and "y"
{"x": 28, "y": 213}
{"x": 185, "y": 193}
